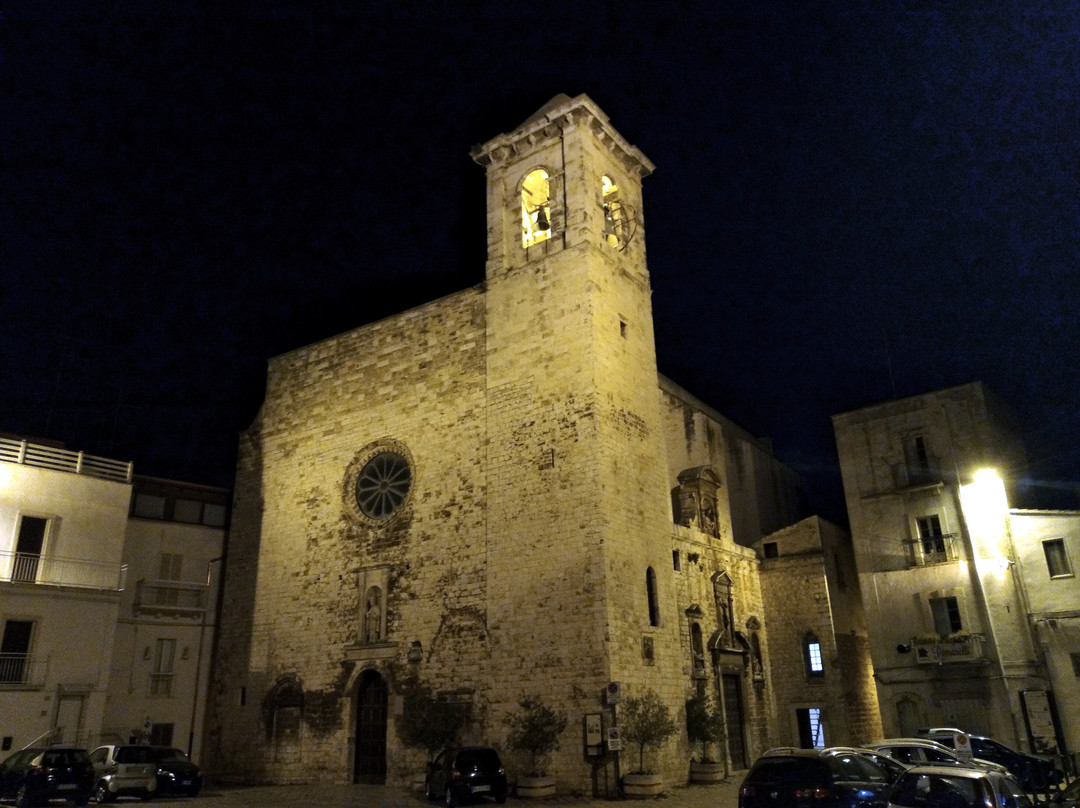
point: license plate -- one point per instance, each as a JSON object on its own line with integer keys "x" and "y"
{"x": 185, "y": 782}
{"x": 479, "y": 789}
{"x": 67, "y": 787}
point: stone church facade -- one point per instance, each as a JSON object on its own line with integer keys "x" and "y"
{"x": 496, "y": 495}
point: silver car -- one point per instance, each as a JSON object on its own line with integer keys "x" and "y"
{"x": 125, "y": 770}
{"x": 957, "y": 787}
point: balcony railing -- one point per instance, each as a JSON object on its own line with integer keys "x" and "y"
{"x": 932, "y": 549}
{"x": 170, "y": 596}
{"x": 31, "y": 568}
{"x": 161, "y": 685}
{"x": 22, "y": 670}
{"x": 48, "y": 457}
{"x": 956, "y": 648}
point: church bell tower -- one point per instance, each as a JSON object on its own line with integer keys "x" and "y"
{"x": 581, "y": 589}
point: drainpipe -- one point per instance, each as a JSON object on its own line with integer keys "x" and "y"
{"x": 198, "y": 658}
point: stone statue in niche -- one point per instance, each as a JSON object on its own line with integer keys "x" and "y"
{"x": 372, "y": 628}
{"x": 708, "y": 517}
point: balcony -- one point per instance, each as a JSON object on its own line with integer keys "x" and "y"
{"x": 48, "y": 457}
{"x": 30, "y": 568}
{"x": 171, "y": 597}
{"x": 954, "y": 648}
{"x": 22, "y": 671}
{"x": 932, "y": 549}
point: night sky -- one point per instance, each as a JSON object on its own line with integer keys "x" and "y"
{"x": 853, "y": 201}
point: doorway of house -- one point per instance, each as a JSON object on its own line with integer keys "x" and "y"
{"x": 371, "y": 703}
{"x": 733, "y": 713}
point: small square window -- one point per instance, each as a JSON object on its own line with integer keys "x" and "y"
{"x": 770, "y": 549}
{"x": 149, "y": 506}
{"x": 1057, "y": 561}
{"x": 187, "y": 510}
{"x": 214, "y": 515}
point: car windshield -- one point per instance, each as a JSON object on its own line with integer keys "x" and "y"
{"x": 65, "y": 757}
{"x": 134, "y": 754}
{"x": 855, "y": 768}
{"x": 478, "y": 759}
{"x": 790, "y": 771}
{"x": 171, "y": 754}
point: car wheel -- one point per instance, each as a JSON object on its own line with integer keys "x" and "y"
{"x": 146, "y": 796}
{"x": 193, "y": 791}
{"x": 451, "y": 798}
{"x": 102, "y": 794}
{"x": 22, "y": 798}
{"x": 500, "y": 796}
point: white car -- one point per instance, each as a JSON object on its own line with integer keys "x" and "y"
{"x": 923, "y": 752}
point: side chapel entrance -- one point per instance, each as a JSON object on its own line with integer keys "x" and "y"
{"x": 371, "y": 713}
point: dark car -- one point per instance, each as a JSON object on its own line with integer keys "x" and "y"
{"x": 176, "y": 774}
{"x": 822, "y": 778}
{"x": 1036, "y": 774}
{"x": 35, "y": 775}
{"x": 463, "y": 775}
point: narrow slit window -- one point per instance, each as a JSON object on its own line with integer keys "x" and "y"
{"x": 654, "y": 602}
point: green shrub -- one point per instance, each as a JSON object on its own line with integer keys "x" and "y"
{"x": 647, "y": 723}
{"x": 536, "y": 730}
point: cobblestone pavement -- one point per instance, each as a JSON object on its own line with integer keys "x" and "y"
{"x": 719, "y": 795}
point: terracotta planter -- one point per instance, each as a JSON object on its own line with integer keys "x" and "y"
{"x": 706, "y": 772}
{"x": 535, "y": 786}
{"x": 642, "y": 785}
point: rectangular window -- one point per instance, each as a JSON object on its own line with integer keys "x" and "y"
{"x": 214, "y": 515}
{"x": 675, "y": 560}
{"x": 28, "y": 548}
{"x": 149, "y": 506}
{"x": 187, "y": 510}
{"x": 162, "y": 675}
{"x": 946, "y": 614}
{"x": 770, "y": 549}
{"x": 15, "y": 651}
{"x": 813, "y": 657}
{"x": 931, "y": 538}
{"x": 1057, "y": 561}
{"x": 1075, "y": 663}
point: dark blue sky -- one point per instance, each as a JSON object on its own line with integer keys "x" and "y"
{"x": 853, "y": 201}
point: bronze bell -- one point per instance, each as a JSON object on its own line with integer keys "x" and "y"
{"x": 542, "y": 222}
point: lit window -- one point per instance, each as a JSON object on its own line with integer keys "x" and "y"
{"x": 614, "y": 214}
{"x": 1057, "y": 561}
{"x": 535, "y": 208}
{"x": 815, "y": 664}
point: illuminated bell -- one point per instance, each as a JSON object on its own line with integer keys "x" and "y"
{"x": 542, "y": 222}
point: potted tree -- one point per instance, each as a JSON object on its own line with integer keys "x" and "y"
{"x": 704, "y": 726}
{"x": 428, "y": 723}
{"x": 536, "y": 730}
{"x": 646, "y": 723}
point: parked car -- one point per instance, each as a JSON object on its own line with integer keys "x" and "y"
{"x": 957, "y": 787}
{"x": 129, "y": 770}
{"x": 824, "y": 778}
{"x": 465, "y": 774}
{"x": 923, "y": 751}
{"x": 1035, "y": 773}
{"x": 35, "y": 775}
{"x": 176, "y": 774}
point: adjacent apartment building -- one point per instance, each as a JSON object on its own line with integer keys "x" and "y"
{"x": 108, "y": 586}
{"x": 973, "y": 603}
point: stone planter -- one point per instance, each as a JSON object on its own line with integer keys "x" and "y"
{"x": 706, "y": 772}
{"x": 642, "y": 785}
{"x": 535, "y": 786}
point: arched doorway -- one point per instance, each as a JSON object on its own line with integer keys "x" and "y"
{"x": 371, "y": 700}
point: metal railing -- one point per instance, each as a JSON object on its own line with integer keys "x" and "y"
{"x": 22, "y": 670}
{"x": 932, "y": 549}
{"x": 929, "y": 651}
{"x": 32, "y": 568}
{"x": 48, "y": 457}
{"x": 161, "y": 685}
{"x": 177, "y": 596}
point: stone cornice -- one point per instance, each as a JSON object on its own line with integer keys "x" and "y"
{"x": 558, "y": 115}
